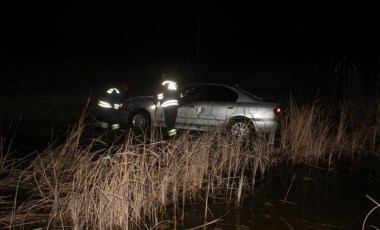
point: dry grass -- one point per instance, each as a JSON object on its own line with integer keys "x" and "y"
{"x": 5, "y": 146}
{"x": 147, "y": 183}
{"x": 311, "y": 133}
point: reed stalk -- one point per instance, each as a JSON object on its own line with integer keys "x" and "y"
{"x": 144, "y": 183}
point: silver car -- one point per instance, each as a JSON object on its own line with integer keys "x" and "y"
{"x": 205, "y": 106}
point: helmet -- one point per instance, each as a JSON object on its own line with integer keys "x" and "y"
{"x": 126, "y": 86}
{"x": 164, "y": 76}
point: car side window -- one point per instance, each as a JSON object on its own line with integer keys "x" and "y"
{"x": 190, "y": 94}
{"x": 210, "y": 93}
{"x": 218, "y": 94}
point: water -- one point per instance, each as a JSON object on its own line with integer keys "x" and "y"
{"x": 299, "y": 197}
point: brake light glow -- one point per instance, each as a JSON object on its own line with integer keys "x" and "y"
{"x": 277, "y": 111}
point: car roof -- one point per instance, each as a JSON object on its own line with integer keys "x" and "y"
{"x": 212, "y": 84}
{"x": 243, "y": 94}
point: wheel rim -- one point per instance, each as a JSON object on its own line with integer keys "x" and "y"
{"x": 240, "y": 129}
{"x": 139, "y": 120}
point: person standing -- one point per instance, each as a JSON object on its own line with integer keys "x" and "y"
{"x": 168, "y": 99}
{"x": 109, "y": 105}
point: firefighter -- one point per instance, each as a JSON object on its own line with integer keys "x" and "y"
{"x": 168, "y": 99}
{"x": 110, "y": 104}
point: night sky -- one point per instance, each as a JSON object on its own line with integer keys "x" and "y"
{"x": 205, "y": 31}
{"x": 94, "y": 41}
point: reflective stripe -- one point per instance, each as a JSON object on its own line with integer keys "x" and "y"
{"x": 172, "y": 132}
{"x": 169, "y": 103}
{"x": 115, "y": 126}
{"x": 113, "y": 89}
{"x": 116, "y": 106}
{"x": 160, "y": 96}
{"x": 104, "y": 125}
{"x": 104, "y": 104}
{"x": 171, "y": 85}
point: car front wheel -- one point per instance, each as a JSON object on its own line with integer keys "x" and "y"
{"x": 139, "y": 120}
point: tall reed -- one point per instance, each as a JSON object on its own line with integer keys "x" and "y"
{"x": 313, "y": 133}
{"x": 145, "y": 182}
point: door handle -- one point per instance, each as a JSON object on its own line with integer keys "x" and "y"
{"x": 230, "y": 107}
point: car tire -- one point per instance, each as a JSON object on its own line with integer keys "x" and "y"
{"x": 240, "y": 127}
{"x": 139, "y": 120}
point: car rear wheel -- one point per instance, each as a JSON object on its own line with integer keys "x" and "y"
{"x": 240, "y": 127}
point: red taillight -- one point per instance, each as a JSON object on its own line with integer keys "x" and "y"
{"x": 277, "y": 111}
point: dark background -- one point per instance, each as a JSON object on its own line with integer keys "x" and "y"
{"x": 156, "y": 29}
{"x": 55, "y": 55}
{"x": 194, "y": 39}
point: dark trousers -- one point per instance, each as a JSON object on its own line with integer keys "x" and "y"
{"x": 170, "y": 113}
{"x": 108, "y": 115}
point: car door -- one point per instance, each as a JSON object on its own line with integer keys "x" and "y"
{"x": 186, "y": 114}
{"x": 216, "y": 105}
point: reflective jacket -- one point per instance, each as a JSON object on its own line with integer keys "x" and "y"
{"x": 112, "y": 98}
{"x": 168, "y": 94}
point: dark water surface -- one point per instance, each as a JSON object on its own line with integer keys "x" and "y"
{"x": 303, "y": 197}
{"x": 298, "y": 196}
